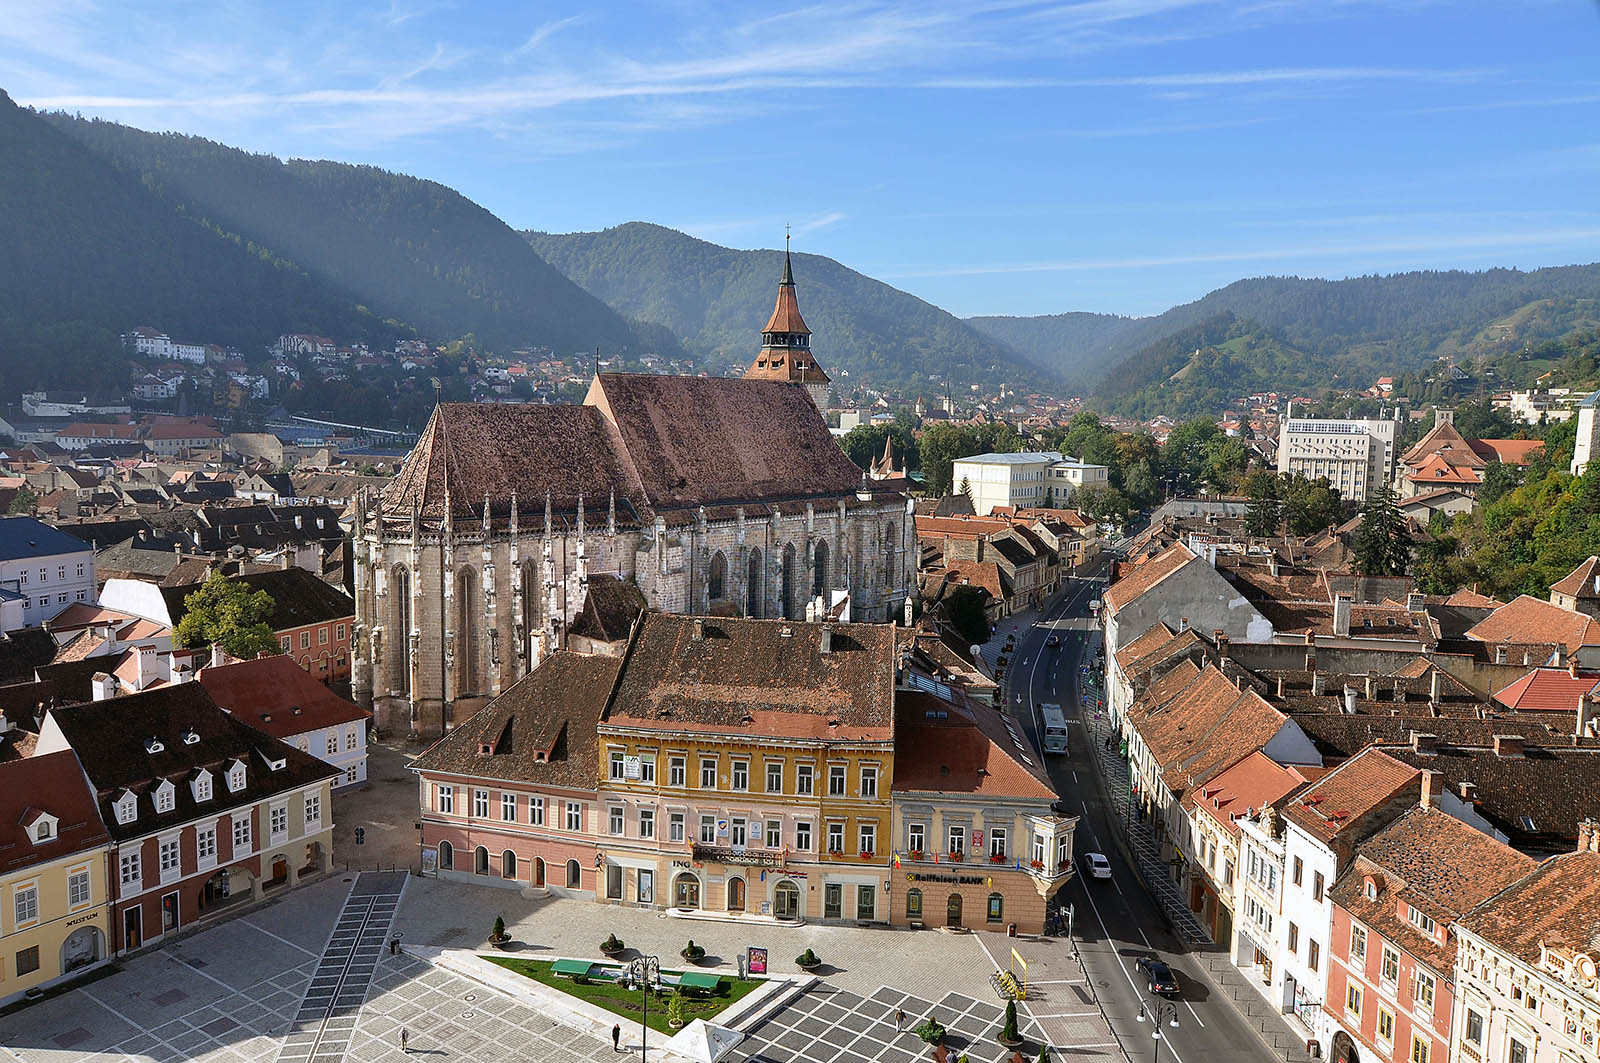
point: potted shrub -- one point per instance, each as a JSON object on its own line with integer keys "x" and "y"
{"x": 997, "y": 858}
{"x": 498, "y": 936}
{"x": 675, "y": 1015}
{"x": 955, "y": 855}
{"x": 1037, "y": 865}
{"x": 692, "y": 952}
{"x": 1008, "y": 1031}
{"x": 1044, "y": 1054}
{"x": 611, "y": 945}
{"x": 807, "y": 960}
{"x": 930, "y": 1032}
{"x": 916, "y": 854}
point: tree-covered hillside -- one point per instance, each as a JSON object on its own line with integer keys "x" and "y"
{"x": 408, "y": 248}
{"x": 1079, "y": 346}
{"x": 89, "y": 253}
{"x": 716, "y": 299}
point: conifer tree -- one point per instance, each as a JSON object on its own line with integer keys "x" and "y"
{"x": 1383, "y": 542}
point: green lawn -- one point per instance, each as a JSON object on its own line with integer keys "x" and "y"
{"x": 626, "y": 1003}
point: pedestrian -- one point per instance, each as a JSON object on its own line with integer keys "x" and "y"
{"x": 404, "y": 1038}
{"x": 899, "y": 1020}
{"x": 616, "y": 1037}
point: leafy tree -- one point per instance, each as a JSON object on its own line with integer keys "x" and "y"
{"x": 1310, "y": 506}
{"x": 1187, "y": 450}
{"x": 1383, "y": 542}
{"x": 227, "y": 612}
{"x": 863, "y": 444}
{"x": 1226, "y": 461}
{"x": 942, "y": 444}
{"x": 964, "y": 611}
{"x": 1498, "y": 479}
{"x": 1264, "y": 516}
{"x": 24, "y": 503}
{"x": 1101, "y": 502}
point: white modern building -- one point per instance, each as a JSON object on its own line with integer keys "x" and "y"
{"x": 42, "y": 572}
{"x": 1585, "y": 446}
{"x": 1540, "y": 405}
{"x": 1025, "y": 480}
{"x": 1355, "y": 455}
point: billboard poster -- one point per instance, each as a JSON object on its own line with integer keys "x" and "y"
{"x": 757, "y": 963}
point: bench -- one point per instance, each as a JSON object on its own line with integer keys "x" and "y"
{"x": 571, "y": 968}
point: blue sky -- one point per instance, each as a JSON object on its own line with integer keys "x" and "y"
{"x": 992, "y": 157}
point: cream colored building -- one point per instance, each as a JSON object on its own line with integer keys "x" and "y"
{"x": 1355, "y": 455}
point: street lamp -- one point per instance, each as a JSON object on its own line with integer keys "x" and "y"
{"x": 643, "y": 973}
{"x": 1158, "y": 1011}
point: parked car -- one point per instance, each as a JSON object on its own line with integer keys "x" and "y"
{"x": 1095, "y": 865}
{"x": 1162, "y": 980}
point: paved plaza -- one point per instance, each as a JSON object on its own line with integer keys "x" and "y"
{"x": 307, "y": 979}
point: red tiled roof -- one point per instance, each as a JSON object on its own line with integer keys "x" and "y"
{"x": 1581, "y": 582}
{"x": 941, "y": 747}
{"x": 1553, "y": 907}
{"x": 1349, "y": 792}
{"x": 1147, "y": 643}
{"x": 1526, "y": 620}
{"x": 52, "y": 783}
{"x": 1252, "y": 782}
{"x": 278, "y": 697}
{"x": 1548, "y": 690}
{"x": 1147, "y": 575}
{"x": 1510, "y": 451}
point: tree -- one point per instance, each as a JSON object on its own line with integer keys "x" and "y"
{"x": 1101, "y": 502}
{"x": 1383, "y": 542}
{"x": 1226, "y": 461}
{"x": 228, "y": 613}
{"x": 1264, "y": 516}
{"x": 1310, "y": 506}
{"x": 24, "y": 502}
{"x": 965, "y": 488}
{"x": 1189, "y": 446}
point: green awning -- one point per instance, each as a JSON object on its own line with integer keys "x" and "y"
{"x": 695, "y": 980}
{"x": 572, "y": 967}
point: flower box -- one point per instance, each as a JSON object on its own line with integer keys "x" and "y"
{"x": 866, "y": 855}
{"x": 996, "y": 858}
{"x": 1037, "y": 865}
{"x": 956, "y": 856}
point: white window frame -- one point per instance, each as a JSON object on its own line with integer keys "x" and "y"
{"x": 647, "y": 823}
{"x": 614, "y": 821}
{"x": 997, "y": 842}
{"x": 169, "y": 857}
{"x": 25, "y": 906}
{"x": 311, "y": 812}
{"x": 130, "y": 869}
{"x": 574, "y": 816}
{"x": 869, "y": 780}
{"x": 866, "y": 837}
{"x": 677, "y": 771}
{"x": 480, "y": 803}
{"x": 708, "y": 829}
{"x": 774, "y": 767}
{"x": 802, "y": 836}
{"x": 647, "y": 768}
{"x": 708, "y": 769}
{"x": 80, "y": 888}
{"x": 508, "y": 806}
{"x": 278, "y": 823}
{"x": 805, "y": 780}
{"x": 916, "y": 837}
{"x": 836, "y": 837}
{"x": 205, "y": 846}
{"x": 739, "y": 775}
{"x": 838, "y": 780}
{"x": 444, "y": 800}
{"x": 243, "y": 832}
{"x": 677, "y": 827}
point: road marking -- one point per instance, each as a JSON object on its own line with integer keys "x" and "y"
{"x": 270, "y": 934}
{"x": 1195, "y": 1013}
{"x": 1123, "y": 967}
{"x": 1075, "y": 778}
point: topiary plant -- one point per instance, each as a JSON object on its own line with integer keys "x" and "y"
{"x": 675, "y": 1012}
{"x": 1044, "y": 1054}
{"x": 1008, "y": 1032}
{"x": 807, "y": 958}
{"x": 692, "y": 951}
{"x": 612, "y": 943}
{"x": 930, "y": 1032}
{"x": 499, "y": 931}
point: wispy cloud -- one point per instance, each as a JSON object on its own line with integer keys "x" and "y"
{"x": 542, "y": 34}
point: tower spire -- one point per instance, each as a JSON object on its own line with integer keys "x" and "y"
{"x": 788, "y": 269}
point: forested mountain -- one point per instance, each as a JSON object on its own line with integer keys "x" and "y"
{"x": 717, "y": 298}
{"x": 87, "y": 252}
{"x": 1079, "y": 346}
{"x": 1291, "y": 333}
{"x": 408, "y": 248}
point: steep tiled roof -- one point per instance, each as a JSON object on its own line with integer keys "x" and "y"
{"x": 1526, "y": 620}
{"x": 1443, "y": 438}
{"x": 278, "y": 697}
{"x": 1152, "y": 640}
{"x": 1581, "y": 582}
{"x": 1252, "y": 782}
{"x": 758, "y": 676}
{"x": 1147, "y": 575}
{"x": 1349, "y": 792}
{"x": 298, "y": 597}
{"x": 541, "y": 730}
{"x": 52, "y": 784}
{"x": 1548, "y": 690}
{"x": 945, "y": 747}
{"x": 1434, "y": 863}
{"x": 1510, "y": 451}
{"x": 110, "y": 739}
{"x": 609, "y": 609}
{"x": 1212, "y": 725}
{"x": 1553, "y": 907}
{"x": 1536, "y": 798}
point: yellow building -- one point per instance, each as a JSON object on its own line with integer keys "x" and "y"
{"x": 745, "y": 768}
{"x": 53, "y": 858}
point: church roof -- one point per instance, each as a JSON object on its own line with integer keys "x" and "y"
{"x": 786, "y": 312}
{"x": 661, "y": 442}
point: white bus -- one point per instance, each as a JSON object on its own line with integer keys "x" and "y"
{"x": 1055, "y": 728}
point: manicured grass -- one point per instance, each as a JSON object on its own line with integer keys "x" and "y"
{"x": 629, "y": 1003}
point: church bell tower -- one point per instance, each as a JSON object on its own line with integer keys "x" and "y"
{"x": 786, "y": 343}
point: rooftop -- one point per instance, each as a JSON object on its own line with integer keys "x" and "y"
{"x": 26, "y": 537}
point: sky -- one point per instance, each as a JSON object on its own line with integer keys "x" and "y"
{"x": 992, "y": 157}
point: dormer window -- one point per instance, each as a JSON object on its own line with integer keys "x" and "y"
{"x": 1370, "y": 888}
{"x": 202, "y": 786}
{"x": 235, "y": 777}
{"x": 127, "y": 808}
{"x": 165, "y": 797}
{"x": 154, "y": 745}
{"x": 43, "y": 829}
{"x": 191, "y": 737}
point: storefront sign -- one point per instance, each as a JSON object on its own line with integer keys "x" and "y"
{"x": 89, "y": 918}
{"x": 631, "y": 768}
{"x": 954, "y": 880}
{"x": 757, "y": 960}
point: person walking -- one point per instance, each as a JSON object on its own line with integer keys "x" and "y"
{"x": 899, "y": 1020}
{"x": 405, "y": 1048}
{"x": 616, "y": 1037}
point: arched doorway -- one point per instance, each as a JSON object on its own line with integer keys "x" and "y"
{"x": 686, "y": 891}
{"x": 786, "y": 583}
{"x": 717, "y": 578}
{"x": 83, "y": 946}
{"x": 1344, "y": 1049}
{"x": 574, "y": 881}
{"x": 447, "y": 856}
{"x": 819, "y": 571}
{"x": 538, "y": 871}
{"x": 508, "y": 865}
{"x": 480, "y": 861}
{"x": 753, "y": 596}
{"x": 736, "y": 895}
{"x": 786, "y": 900}
{"x": 952, "y": 910}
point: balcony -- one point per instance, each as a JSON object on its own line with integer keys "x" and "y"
{"x": 724, "y": 854}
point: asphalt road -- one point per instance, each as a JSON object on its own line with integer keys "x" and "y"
{"x": 1115, "y": 921}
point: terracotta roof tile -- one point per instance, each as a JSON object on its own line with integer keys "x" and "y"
{"x": 947, "y": 748}
{"x": 1250, "y": 783}
{"x": 1581, "y": 582}
{"x": 1553, "y": 907}
{"x": 1526, "y": 620}
{"x": 278, "y": 697}
{"x": 53, "y": 784}
{"x": 1349, "y": 792}
{"x": 1549, "y": 690}
{"x": 1147, "y": 575}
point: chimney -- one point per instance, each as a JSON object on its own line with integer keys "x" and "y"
{"x": 699, "y": 629}
{"x": 1316, "y": 679}
{"x": 1499, "y": 655}
{"x": 1435, "y": 687}
{"x": 1350, "y": 693}
{"x": 1508, "y": 746}
{"x": 1588, "y": 716}
{"x": 1424, "y": 744}
{"x": 1414, "y": 602}
{"x": 1372, "y": 686}
{"x": 153, "y": 666}
{"x": 1273, "y": 565}
{"x": 1341, "y": 616}
{"x": 827, "y": 638}
{"x": 1468, "y": 791}
{"x": 1220, "y": 637}
{"x": 1588, "y": 836}
{"x": 1572, "y": 666}
{"x": 1280, "y": 686}
{"x": 1432, "y": 787}
{"x": 103, "y": 686}
{"x": 286, "y": 560}
{"x": 1183, "y": 624}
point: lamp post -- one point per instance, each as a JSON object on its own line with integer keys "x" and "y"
{"x": 1158, "y": 1011}
{"x": 643, "y": 973}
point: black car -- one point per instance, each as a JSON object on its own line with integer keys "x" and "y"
{"x": 1052, "y": 640}
{"x": 1162, "y": 979}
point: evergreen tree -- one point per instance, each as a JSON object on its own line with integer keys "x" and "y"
{"x": 1264, "y": 516}
{"x": 1383, "y": 542}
